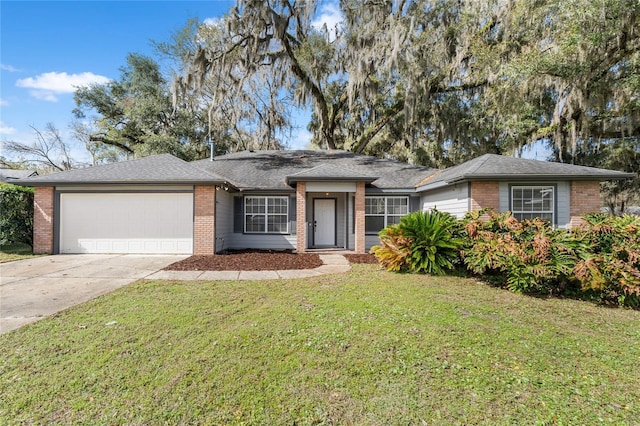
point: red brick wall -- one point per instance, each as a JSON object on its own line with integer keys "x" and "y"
{"x": 359, "y": 219}
{"x": 585, "y": 198}
{"x": 43, "y": 220}
{"x": 204, "y": 220}
{"x": 301, "y": 217}
{"x": 485, "y": 194}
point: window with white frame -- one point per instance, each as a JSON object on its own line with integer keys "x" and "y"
{"x": 528, "y": 202}
{"x": 266, "y": 215}
{"x": 380, "y": 212}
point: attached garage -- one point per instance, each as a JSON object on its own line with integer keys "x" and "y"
{"x": 134, "y": 222}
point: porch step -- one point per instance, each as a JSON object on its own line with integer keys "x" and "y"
{"x": 333, "y": 259}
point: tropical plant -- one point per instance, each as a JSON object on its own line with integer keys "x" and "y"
{"x": 434, "y": 244}
{"x": 394, "y": 249}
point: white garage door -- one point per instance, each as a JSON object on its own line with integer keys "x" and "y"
{"x": 126, "y": 223}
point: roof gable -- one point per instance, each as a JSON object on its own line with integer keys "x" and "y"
{"x": 328, "y": 172}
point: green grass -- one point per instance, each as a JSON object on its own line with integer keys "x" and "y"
{"x": 17, "y": 251}
{"x": 367, "y": 347}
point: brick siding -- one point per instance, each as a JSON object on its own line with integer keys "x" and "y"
{"x": 359, "y": 219}
{"x": 585, "y": 198}
{"x": 485, "y": 194}
{"x": 204, "y": 220}
{"x": 301, "y": 217}
{"x": 43, "y": 220}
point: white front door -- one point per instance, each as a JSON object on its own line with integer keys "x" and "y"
{"x": 324, "y": 222}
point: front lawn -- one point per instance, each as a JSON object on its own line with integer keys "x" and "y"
{"x": 367, "y": 347}
{"x": 16, "y": 251}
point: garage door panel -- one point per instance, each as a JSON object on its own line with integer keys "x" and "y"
{"x": 126, "y": 223}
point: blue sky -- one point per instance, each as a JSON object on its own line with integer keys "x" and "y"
{"x": 48, "y": 47}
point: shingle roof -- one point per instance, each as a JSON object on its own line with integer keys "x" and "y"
{"x": 499, "y": 167}
{"x": 272, "y": 169}
{"x": 327, "y": 172}
{"x": 157, "y": 169}
{"x": 8, "y": 175}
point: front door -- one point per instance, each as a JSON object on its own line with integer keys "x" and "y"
{"x": 324, "y": 222}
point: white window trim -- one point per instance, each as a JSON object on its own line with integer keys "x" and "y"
{"x": 266, "y": 214}
{"x": 386, "y": 215}
{"x": 550, "y": 188}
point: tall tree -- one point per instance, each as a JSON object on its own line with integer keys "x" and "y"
{"x": 136, "y": 114}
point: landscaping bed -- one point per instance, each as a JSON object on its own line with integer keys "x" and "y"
{"x": 250, "y": 260}
{"x": 258, "y": 260}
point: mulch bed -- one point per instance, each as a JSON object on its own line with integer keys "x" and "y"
{"x": 247, "y": 261}
{"x": 256, "y": 260}
{"x": 361, "y": 258}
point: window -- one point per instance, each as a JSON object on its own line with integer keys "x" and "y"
{"x": 266, "y": 215}
{"x": 380, "y": 212}
{"x": 528, "y": 202}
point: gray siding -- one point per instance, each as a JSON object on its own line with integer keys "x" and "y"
{"x": 563, "y": 199}
{"x": 255, "y": 241}
{"x": 224, "y": 220}
{"x": 451, "y": 199}
{"x": 371, "y": 240}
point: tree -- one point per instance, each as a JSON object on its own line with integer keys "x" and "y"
{"x": 48, "y": 152}
{"x": 136, "y": 114}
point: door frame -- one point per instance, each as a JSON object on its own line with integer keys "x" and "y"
{"x": 335, "y": 222}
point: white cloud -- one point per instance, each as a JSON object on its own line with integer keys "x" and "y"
{"x": 331, "y": 16}
{"x": 44, "y": 95}
{"x": 6, "y": 130}
{"x": 49, "y": 84}
{"x": 5, "y": 67}
{"x": 4, "y": 102}
{"x": 212, "y": 22}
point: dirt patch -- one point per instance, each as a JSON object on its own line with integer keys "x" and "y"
{"x": 361, "y": 258}
{"x": 247, "y": 261}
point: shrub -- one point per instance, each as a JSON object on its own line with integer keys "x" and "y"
{"x": 434, "y": 244}
{"x": 423, "y": 242}
{"x": 394, "y": 249}
{"x": 527, "y": 256}
{"x": 16, "y": 214}
{"x": 610, "y": 260}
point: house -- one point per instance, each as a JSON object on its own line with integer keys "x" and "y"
{"x": 9, "y": 175}
{"x": 301, "y": 200}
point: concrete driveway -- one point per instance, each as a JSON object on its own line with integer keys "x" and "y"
{"x": 34, "y": 288}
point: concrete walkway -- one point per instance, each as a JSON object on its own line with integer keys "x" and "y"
{"x": 333, "y": 264}
{"x": 34, "y": 288}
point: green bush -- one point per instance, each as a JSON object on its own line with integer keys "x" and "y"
{"x": 423, "y": 242}
{"x": 16, "y": 215}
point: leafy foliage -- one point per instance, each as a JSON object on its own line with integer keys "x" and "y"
{"x": 434, "y": 247}
{"x": 394, "y": 249}
{"x": 527, "y": 256}
{"x": 601, "y": 257}
{"x": 423, "y": 242}
{"x": 136, "y": 115}
{"x": 16, "y": 214}
{"x": 610, "y": 262}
